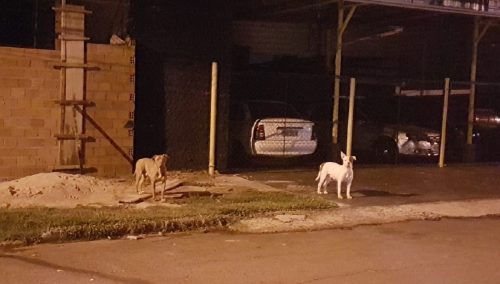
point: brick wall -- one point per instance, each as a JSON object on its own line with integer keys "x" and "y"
{"x": 112, "y": 89}
{"x": 29, "y": 116}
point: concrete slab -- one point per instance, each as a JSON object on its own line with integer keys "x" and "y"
{"x": 371, "y": 215}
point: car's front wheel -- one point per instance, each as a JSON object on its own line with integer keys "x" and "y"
{"x": 385, "y": 151}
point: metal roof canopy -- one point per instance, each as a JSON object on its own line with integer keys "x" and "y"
{"x": 281, "y": 7}
{"x": 420, "y": 5}
{"x": 478, "y": 33}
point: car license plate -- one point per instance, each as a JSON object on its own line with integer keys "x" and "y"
{"x": 289, "y": 132}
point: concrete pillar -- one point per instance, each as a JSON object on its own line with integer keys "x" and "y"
{"x": 70, "y": 27}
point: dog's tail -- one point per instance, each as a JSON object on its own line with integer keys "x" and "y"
{"x": 319, "y": 172}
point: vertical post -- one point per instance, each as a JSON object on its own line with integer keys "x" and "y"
{"x": 443, "y": 125}
{"x": 213, "y": 115}
{"x": 473, "y": 70}
{"x": 62, "y": 86}
{"x": 338, "y": 63}
{"x": 71, "y": 30}
{"x": 341, "y": 27}
{"x": 352, "y": 92}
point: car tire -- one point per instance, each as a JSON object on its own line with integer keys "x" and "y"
{"x": 238, "y": 157}
{"x": 385, "y": 151}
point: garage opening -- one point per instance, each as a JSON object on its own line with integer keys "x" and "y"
{"x": 286, "y": 53}
{"x": 272, "y": 118}
{"x": 396, "y": 122}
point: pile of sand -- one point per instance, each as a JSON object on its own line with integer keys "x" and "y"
{"x": 72, "y": 190}
{"x": 63, "y": 190}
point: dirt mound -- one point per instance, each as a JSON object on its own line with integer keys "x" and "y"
{"x": 72, "y": 190}
{"x": 62, "y": 190}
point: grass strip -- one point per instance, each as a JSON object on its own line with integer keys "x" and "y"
{"x": 34, "y": 225}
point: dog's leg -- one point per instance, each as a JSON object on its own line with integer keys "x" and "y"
{"x": 139, "y": 180}
{"x": 325, "y": 184}
{"x": 349, "y": 190}
{"x": 164, "y": 178}
{"x": 153, "y": 183}
{"x": 339, "y": 186}
{"x": 320, "y": 184}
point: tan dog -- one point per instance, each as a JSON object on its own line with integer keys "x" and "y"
{"x": 162, "y": 161}
{"x": 153, "y": 168}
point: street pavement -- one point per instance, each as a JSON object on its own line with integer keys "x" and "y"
{"x": 385, "y": 194}
{"x": 449, "y": 251}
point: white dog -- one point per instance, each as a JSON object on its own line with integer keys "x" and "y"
{"x": 153, "y": 168}
{"x": 341, "y": 173}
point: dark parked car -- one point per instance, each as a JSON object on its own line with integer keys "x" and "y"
{"x": 379, "y": 141}
{"x": 384, "y": 142}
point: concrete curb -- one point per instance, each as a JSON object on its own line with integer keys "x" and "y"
{"x": 371, "y": 215}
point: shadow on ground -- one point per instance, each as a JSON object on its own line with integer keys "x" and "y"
{"x": 373, "y": 193}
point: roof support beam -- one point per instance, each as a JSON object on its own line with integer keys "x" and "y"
{"x": 476, "y": 38}
{"x": 341, "y": 27}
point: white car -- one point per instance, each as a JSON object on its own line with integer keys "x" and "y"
{"x": 270, "y": 128}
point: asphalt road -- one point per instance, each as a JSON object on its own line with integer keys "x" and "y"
{"x": 446, "y": 251}
{"x": 391, "y": 185}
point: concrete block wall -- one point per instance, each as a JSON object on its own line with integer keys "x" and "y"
{"x": 29, "y": 116}
{"x": 29, "y": 85}
{"x": 112, "y": 89}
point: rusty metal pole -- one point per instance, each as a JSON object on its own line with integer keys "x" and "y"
{"x": 352, "y": 93}
{"x": 443, "y": 125}
{"x": 213, "y": 116}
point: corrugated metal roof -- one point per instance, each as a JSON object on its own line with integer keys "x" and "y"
{"x": 445, "y": 6}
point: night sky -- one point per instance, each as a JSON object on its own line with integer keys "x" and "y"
{"x": 17, "y": 21}
{"x": 27, "y": 23}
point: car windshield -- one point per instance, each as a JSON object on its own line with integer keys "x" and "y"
{"x": 263, "y": 109}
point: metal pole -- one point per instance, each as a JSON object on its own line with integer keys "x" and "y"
{"x": 213, "y": 115}
{"x": 477, "y": 36}
{"x": 338, "y": 63}
{"x": 352, "y": 92}
{"x": 443, "y": 125}
{"x": 341, "y": 27}
{"x": 473, "y": 71}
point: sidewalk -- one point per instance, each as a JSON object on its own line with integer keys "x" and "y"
{"x": 349, "y": 217}
{"x": 389, "y": 194}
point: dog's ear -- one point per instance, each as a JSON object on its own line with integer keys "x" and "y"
{"x": 353, "y": 158}
{"x": 342, "y": 155}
